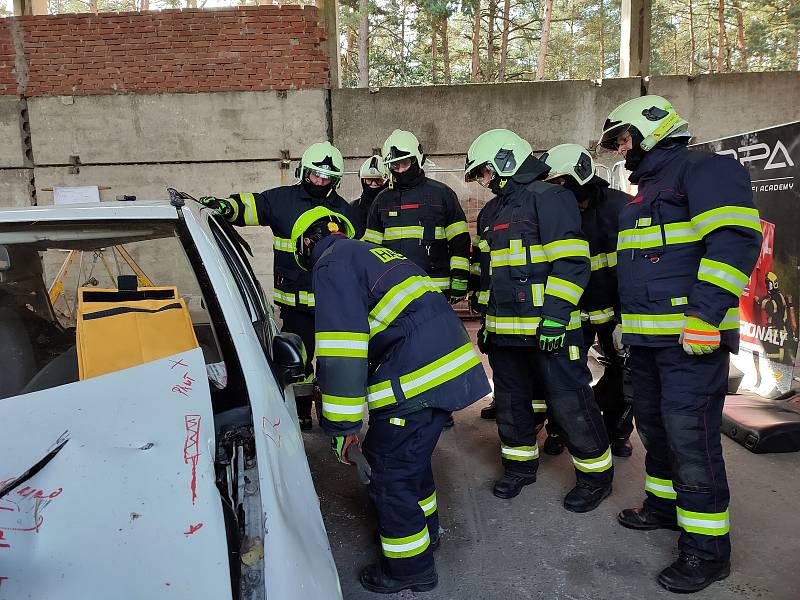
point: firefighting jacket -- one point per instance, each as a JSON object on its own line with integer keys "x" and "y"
{"x": 425, "y": 223}
{"x": 278, "y": 209}
{"x": 359, "y": 212}
{"x": 538, "y": 262}
{"x": 481, "y": 256}
{"x": 386, "y": 335}
{"x": 687, "y": 245}
{"x": 599, "y": 222}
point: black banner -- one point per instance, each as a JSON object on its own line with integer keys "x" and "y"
{"x": 768, "y": 312}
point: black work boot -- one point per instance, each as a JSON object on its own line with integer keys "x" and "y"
{"x": 374, "y": 579}
{"x": 303, "y": 404}
{"x": 554, "y": 444}
{"x": 585, "y": 497}
{"x": 511, "y": 484}
{"x": 691, "y": 573}
{"x": 621, "y": 447}
{"x": 646, "y": 520}
{"x": 489, "y": 412}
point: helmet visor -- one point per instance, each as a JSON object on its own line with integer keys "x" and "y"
{"x": 613, "y": 132}
{"x": 479, "y": 172}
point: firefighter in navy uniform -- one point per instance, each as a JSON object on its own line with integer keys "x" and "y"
{"x": 572, "y": 166}
{"x": 319, "y": 175}
{"x": 421, "y": 218}
{"x": 374, "y": 179}
{"x": 539, "y": 266}
{"x": 387, "y": 336}
{"x": 686, "y": 247}
{"x": 779, "y": 323}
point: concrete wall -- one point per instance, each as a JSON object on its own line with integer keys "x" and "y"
{"x": 721, "y": 105}
{"x": 11, "y": 144}
{"x": 447, "y": 118}
{"x": 223, "y": 126}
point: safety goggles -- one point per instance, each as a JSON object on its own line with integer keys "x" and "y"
{"x": 480, "y": 174}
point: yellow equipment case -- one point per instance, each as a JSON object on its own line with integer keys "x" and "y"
{"x": 119, "y": 329}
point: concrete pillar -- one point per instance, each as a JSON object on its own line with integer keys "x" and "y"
{"x": 329, "y": 20}
{"x": 30, "y": 7}
{"x": 634, "y": 41}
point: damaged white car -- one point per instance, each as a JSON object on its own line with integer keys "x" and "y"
{"x": 149, "y": 442}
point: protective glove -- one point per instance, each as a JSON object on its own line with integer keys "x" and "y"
{"x": 219, "y": 207}
{"x": 458, "y": 290}
{"x": 698, "y": 337}
{"x": 551, "y": 335}
{"x": 483, "y": 339}
{"x": 616, "y": 338}
{"x": 340, "y": 444}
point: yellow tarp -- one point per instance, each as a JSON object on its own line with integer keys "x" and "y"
{"x": 115, "y": 335}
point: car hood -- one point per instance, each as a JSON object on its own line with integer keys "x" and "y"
{"x": 125, "y": 504}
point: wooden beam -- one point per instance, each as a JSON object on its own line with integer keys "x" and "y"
{"x": 634, "y": 42}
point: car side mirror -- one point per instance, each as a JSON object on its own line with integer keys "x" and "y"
{"x": 289, "y": 357}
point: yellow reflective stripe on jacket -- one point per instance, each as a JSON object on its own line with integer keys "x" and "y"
{"x": 440, "y": 283}
{"x": 455, "y": 229}
{"x": 704, "y": 523}
{"x": 512, "y": 325}
{"x": 370, "y": 235}
{"x": 679, "y": 301}
{"x": 306, "y": 298}
{"x": 726, "y": 216}
{"x": 681, "y": 232}
{"x": 513, "y": 256}
{"x": 537, "y": 294}
{"x": 598, "y": 317}
{"x": 459, "y": 262}
{"x": 659, "y": 487}
{"x": 475, "y": 268}
{"x": 669, "y": 324}
{"x": 483, "y": 297}
{"x": 611, "y": 257}
{"x": 380, "y": 395}
{"x": 524, "y": 325}
{"x": 342, "y": 343}
{"x": 561, "y": 288}
{"x": 642, "y": 237}
{"x": 599, "y": 261}
{"x": 405, "y": 547}
{"x": 594, "y": 465}
{"x": 429, "y": 505}
{"x": 483, "y": 245}
{"x": 341, "y": 408}
{"x": 408, "y": 232}
{"x": 286, "y": 298}
{"x": 539, "y": 406}
{"x": 722, "y": 275}
{"x": 250, "y": 211}
{"x": 519, "y": 453}
{"x": 397, "y": 299}
{"x": 731, "y": 319}
{"x": 571, "y": 247}
{"x": 439, "y": 233}
{"x": 282, "y": 244}
{"x": 440, "y": 371}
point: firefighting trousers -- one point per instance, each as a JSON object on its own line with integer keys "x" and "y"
{"x": 302, "y": 323}
{"x": 399, "y": 451}
{"x": 562, "y": 378}
{"x": 678, "y": 402}
{"x": 609, "y": 391}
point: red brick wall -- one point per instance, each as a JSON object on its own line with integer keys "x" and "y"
{"x": 8, "y": 80}
{"x": 248, "y": 48}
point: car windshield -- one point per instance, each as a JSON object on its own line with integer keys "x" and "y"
{"x": 58, "y": 278}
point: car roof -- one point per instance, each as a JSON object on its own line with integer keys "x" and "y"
{"x": 101, "y": 211}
